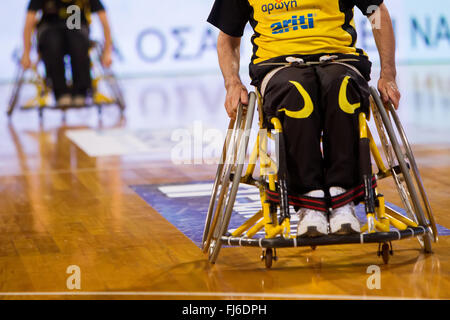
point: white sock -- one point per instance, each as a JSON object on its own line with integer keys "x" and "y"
{"x": 316, "y": 194}
{"x": 336, "y": 191}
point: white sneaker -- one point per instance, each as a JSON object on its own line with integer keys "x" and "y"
{"x": 343, "y": 221}
{"x": 79, "y": 101}
{"x": 312, "y": 223}
{"x": 64, "y": 101}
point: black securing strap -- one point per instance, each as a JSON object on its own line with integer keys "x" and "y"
{"x": 355, "y": 195}
{"x": 318, "y": 204}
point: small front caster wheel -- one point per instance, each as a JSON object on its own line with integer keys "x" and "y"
{"x": 385, "y": 252}
{"x": 268, "y": 258}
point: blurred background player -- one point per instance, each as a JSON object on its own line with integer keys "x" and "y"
{"x": 63, "y": 29}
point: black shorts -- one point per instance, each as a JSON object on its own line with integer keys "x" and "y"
{"x": 319, "y": 104}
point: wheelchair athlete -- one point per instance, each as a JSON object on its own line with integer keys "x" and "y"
{"x": 56, "y": 39}
{"x": 313, "y": 78}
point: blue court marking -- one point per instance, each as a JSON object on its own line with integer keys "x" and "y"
{"x": 185, "y": 206}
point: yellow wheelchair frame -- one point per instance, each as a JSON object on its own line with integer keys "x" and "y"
{"x": 42, "y": 99}
{"x": 384, "y": 223}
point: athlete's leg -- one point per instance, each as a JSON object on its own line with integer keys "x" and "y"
{"x": 51, "y": 48}
{"x": 77, "y": 42}
{"x": 344, "y": 95}
{"x": 292, "y": 96}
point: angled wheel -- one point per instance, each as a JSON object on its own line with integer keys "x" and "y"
{"x": 217, "y": 183}
{"x": 110, "y": 78}
{"x": 229, "y": 174}
{"x": 116, "y": 90}
{"x": 415, "y": 174}
{"x": 404, "y": 169}
{"x": 18, "y": 83}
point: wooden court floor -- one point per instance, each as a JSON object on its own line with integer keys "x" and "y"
{"x": 61, "y": 208}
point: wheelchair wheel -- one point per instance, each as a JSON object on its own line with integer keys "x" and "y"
{"x": 227, "y": 180}
{"x": 116, "y": 90}
{"x": 416, "y": 174}
{"x": 217, "y": 183}
{"x": 401, "y": 162}
{"x": 109, "y": 77}
{"x": 18, "y": 83}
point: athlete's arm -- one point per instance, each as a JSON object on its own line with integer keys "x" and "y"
{"x": 228, "y": 50}
{"x": 385, "y": 40}
{"x": 108, "y": 46}
{"x": 30, "y": 22}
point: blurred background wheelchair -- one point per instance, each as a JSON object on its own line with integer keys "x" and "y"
{"x": 106, "y": 90}
{"x": 384, "y": 222}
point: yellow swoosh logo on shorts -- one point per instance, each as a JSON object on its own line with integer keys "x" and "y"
{"x": 307, "y": 109}
{"x": 346, "y": 106}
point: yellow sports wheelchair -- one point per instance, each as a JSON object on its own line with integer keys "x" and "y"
{"x": 42, "y": 100}
{"x": 384, "y": 222}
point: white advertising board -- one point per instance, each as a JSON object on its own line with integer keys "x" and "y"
{"x": 173, "y": 37}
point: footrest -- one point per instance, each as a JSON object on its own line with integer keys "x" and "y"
{"x": 280, "y": 242}
{"x": 70, "y": 107}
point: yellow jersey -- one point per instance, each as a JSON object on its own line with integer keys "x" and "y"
{"x": 293, "y": 27}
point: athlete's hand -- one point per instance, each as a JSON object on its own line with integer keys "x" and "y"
{"x": 389, "y": 91}
{"x": 107, "y": 58}
{"x": 235, "y": 93}
{"x": 25, "y": 61}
